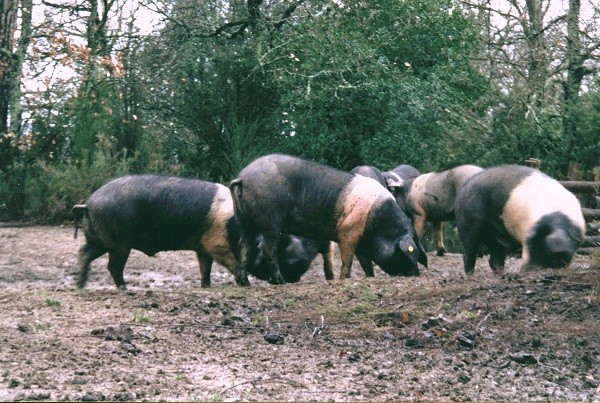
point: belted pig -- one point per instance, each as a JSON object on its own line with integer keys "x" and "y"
{"x": 430, "y": 198}
{"x": 154, "y": 213}
{"x": 283, "y": 194}
{"x": 294, "y": 255}
{"x": 393, "y": 180}
{"x": 512, "y": 206}
{"x": 404, "y": 172}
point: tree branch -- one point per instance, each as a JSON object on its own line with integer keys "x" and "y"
{"x": 72, "y": 7}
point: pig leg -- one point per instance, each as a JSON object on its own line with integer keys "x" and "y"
{"x": 470, "y": 238}
{"x": 247, "y": 256}
{"x": 439, "y": 238}
{"x": 367, "y": 265}
{"x": 497, "y": 255}
{"x": 116, "y": 264}
{"x": 347, "y": 254}
{"x": 205, "y": 263}
{"x": 419, "y": 224}
{"x": 525, "y": 256}
{"x": 88, "y": 253}
{"x": 328, "y": 260}
{"x": 269, "y": 247}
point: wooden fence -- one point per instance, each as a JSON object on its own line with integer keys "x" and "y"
{"x": 589, "y": 194}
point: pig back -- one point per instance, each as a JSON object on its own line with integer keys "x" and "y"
{"x": 280, "y": 193}
{"x": 440, "y": 190}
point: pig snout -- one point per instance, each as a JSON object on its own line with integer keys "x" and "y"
{"x": 560, "y": 248}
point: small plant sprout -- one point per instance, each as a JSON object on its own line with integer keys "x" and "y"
{"x": 141, "y": 317}
{"x": 54, "y": 303}
{"x": 180, "y": 377}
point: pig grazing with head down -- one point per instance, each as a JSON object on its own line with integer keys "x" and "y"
{"x": 430, "y": 197}
{"x": 153, "y": 213}
{"x": 512, "y": 206}
{"x": 282, "y": 194}
{"x": 294, "y": 256}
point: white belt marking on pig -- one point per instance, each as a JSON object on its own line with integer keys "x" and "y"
{"x": 535, "y": 197}
{"x": 359, "y": 197}
{"x": 357, "y": 200}
{"x": 417, "y": 192}
{"x": 214, "y": 239}
{"x": 415, "y": 199}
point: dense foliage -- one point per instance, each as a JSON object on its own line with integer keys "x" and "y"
{"x": 222, "y": 82}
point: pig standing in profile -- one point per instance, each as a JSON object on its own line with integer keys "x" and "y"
{"x": 430, "y": 197}
{"x": 514, "y": 206}
{"x": 282, "y": 194}
{"x": 154, "y": 213}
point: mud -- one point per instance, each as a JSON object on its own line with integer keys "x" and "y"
{"x": 440, "y": 336}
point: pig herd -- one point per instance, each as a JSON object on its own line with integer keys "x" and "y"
{"x": 281, "y": 211}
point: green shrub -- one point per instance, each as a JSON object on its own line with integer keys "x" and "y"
{"x": 46, "y": 193}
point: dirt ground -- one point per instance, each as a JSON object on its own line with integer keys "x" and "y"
{"x": 440, "y": 336}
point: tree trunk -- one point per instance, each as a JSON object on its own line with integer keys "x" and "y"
{"x": 576, "y": 71}
{"x": 16, "y": 105}
{"x": 537, "y": 57}
{"x": 8, "y": 10}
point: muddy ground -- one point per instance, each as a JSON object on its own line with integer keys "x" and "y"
{"x": 441, "y": 336}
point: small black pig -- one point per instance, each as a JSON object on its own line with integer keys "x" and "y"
{"x": 294, "y": 255}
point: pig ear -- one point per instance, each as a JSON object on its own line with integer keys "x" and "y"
{"x": 422, "y": 255}
{"x": 410, "y": 248}
{"x": 394, "y": 183}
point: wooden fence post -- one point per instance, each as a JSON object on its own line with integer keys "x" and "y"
{"x": 588, "y": 191}
{"x": 533, "y": 162}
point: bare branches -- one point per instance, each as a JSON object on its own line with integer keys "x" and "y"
{"x": 233, "y": 25}
{"x": 70, "y": 7}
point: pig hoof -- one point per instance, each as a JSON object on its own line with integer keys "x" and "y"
{"x": 242, "y": 282}
{"x": 277, "y": 280}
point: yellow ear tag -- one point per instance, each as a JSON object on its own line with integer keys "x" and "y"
{"x": 411, "y": 249}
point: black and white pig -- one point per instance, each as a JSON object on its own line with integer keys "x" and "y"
{"x": 390, "y": 181}
{"x": 512, "y": 206}
{"x": 403, "y": 172}
{"x": 154, "y": 213}
{"x": 430, "y": 198}
{"x": 283, "y": 194}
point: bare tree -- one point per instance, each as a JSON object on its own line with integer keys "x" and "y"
{"x": 578, "y": 56}
{"x": 7, "y": 33}
{"x": 540, "y": 52}
{"x": 15, "y": 35}
{"x": 12, "y": 56}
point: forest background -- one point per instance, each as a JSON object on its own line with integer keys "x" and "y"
{"x": 93, "y": 89}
